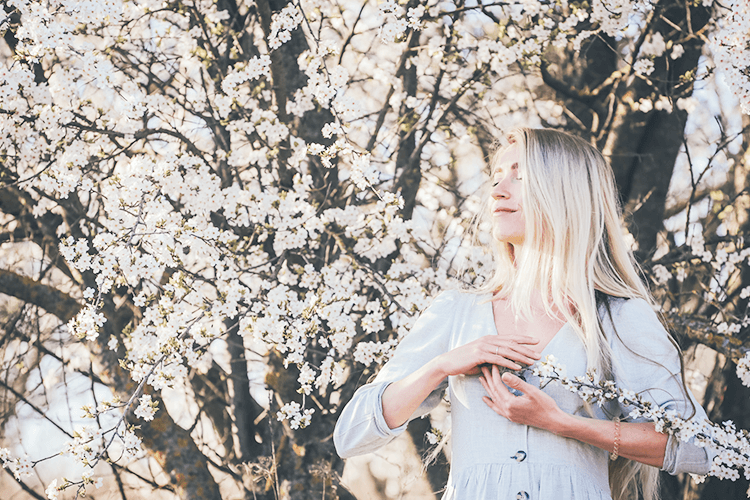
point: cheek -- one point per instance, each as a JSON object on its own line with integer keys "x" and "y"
{"x": 517, "y": 187}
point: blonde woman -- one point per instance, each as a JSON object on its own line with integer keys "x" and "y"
{"x": 565, "y": 284}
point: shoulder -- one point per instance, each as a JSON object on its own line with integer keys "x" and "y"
{"x": 634, "y": 324}
{"x": 449, "y": 305}
{"x": 631, "y": 310}
{"x": 459, "y": 298}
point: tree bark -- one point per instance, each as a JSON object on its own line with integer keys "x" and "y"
{"x": 643, "y": 147}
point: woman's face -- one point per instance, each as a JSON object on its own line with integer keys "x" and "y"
{"x": 507, "y": 203}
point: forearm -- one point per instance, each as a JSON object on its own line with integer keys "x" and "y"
{"x": 637, "y": 441}
{"x": 402, "y": 398}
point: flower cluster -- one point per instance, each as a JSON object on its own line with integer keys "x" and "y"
{"x": 527, "y": 33}
{"x": 131, "y": 445}
{"x": 433, "y": 436}
{"x": 86, "y": 324}
{"x": 20, "y": 467}
{"x": 102, "y": 408}
{"x": 53, "y": 490}
{"x": 731, "y": 48}
{"x": 146, "y": 408}
{"x": 743, "y": 369}
{"x": 283, "y": 24}
{"x": 392, "y": 25}
{"x": 369, "y": 352}
{"x": 86, "y": 445}
{"x": 298, "y": 418}
{"x": 257, "y": 67}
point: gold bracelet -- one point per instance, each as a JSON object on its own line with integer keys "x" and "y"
{"x": 616, "y": 447}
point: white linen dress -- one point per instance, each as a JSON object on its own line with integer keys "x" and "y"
{"x": 493, "y": 458}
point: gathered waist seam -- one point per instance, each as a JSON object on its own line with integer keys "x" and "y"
{"x": 456, "y": 475}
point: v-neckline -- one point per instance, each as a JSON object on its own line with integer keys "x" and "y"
{"x": 549, "y": 342}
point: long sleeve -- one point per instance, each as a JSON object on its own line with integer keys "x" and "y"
{"x": 646, "y": 362}
{"x": 361, "y": 428}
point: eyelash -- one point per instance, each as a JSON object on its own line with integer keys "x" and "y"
{"x": 496, "y": 182}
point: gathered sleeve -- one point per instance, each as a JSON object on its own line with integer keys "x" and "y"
{"x": 647, "y": 362}
{"x": 361, "y": 427}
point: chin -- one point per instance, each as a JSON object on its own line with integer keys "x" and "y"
{"x": 510, "y": 238}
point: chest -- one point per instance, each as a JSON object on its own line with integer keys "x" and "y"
{"x": 559, "y": 339}
{"x": 538, "y": 325}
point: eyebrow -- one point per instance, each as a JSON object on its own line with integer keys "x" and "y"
{"x": 499, "y": 169}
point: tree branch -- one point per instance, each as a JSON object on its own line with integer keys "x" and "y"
{"x": 25, "y": 487}
{"x": 21, "y": 397}
{"x": 28, "y": 290}
{"x": 704, "y": 332}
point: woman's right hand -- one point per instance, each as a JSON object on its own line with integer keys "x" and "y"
{"x": 509, "y": 351}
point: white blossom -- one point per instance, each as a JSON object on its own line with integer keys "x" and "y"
{"x": 146, "y": 408}
{"x": 743, "y": 369}
{"x": 298, "y": 418}
{"x": 282, "y": 24}
{"x": 662, "y": 274}
{"x": 644, "y": 66}
{"x": 52, "y": 490}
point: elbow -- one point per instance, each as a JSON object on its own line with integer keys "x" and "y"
{"x": 681, "y": 457}
{"x": 348, "y": 439}
{"x": 339, "y": 442}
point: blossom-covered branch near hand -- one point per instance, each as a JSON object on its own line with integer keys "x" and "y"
{"x": 732, "y": 445}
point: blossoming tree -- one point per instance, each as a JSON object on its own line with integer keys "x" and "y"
{"x": 250, "y": 201}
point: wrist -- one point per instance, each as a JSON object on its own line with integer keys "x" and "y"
{"x": 565, "y": 425}
{"x": 436, "y": 369}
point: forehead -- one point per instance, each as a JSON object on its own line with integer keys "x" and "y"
{"x": 509, "y": 157}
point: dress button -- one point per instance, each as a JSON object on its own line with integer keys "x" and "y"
{"x": 520, "y": 456}
{"x": 522, "y": 495}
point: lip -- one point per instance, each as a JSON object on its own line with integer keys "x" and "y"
{"x": 505, "y": 210}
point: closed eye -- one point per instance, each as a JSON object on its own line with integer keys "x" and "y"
{"x": 499, "y": 174}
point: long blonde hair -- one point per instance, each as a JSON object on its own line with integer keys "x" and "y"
{"x": 573, "y": 248}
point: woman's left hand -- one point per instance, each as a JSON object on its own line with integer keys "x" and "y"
{"x": 534, "y": 407}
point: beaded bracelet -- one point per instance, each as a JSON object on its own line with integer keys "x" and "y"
{"x": 616, "y": 447}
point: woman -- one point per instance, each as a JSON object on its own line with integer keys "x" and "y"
{"x": 556, "y": 225}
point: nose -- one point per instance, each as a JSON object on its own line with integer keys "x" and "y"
{"x": 500, "y": 189}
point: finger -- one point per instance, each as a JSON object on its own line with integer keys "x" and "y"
{"x": 516, "y": 382}
{"x": 496, "y": 375}
{"x": 526, "y": 351}
{"x": 520, "y": 342}
{"x": 485, "y": 380}
{"x": 512, "y": 353}
{"x": 486, "y": 386}
{"x": 515, "y": 351}
{"x": 524, "y": 339}
{"x": 505, "y": 363}
{"x": 489, "y": 385}
{"x": 489, "y": 402}
{"x": 504, "y": 358}
{"x": 493, "y": 399}
{"x": 518, "y": 355}
{"x": 497, "y": 382}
